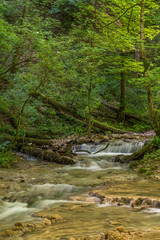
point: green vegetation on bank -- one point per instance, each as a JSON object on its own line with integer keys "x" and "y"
{"x": 150, "y": 164}
{"x": 7, "y": 157}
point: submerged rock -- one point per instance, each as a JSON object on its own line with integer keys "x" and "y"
{"x": 52, "y": 217}
{"x": 19, "y": 224}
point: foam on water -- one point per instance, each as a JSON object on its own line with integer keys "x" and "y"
{"x": 51, "y": 191}
{"x": 88, "y": 148}
{"x": 108, "y": 149}
{"x": 105, "y": 205}
{"x": 93, "y": 166}
{"x": 41, "y": 204}
{"x": 101, "y": 154}
{"x": 153, "y": 210}
{"x": 8, "y": 209}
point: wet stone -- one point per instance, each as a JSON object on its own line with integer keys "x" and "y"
{"x": 19, "y": 224}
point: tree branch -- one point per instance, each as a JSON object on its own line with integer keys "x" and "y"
{"x": 131, "y": 7}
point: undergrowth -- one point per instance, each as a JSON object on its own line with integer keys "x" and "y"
{"x": 7, "y": 157}
{"x": 150, "y": 164}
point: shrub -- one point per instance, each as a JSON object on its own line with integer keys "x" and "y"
{"x": 142, "y": 170}
{"x": 133, "y": 164}
{"x": 156, "y": 141}
{"x": 6, "y": 158}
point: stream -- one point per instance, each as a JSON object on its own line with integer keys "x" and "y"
{"x": 87, "y": 195}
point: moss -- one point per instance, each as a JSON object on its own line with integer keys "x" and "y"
{"x": 142, "y": 170}
{"x": 148, "y": 173}
{"x": 153, "y": 168}
{"x": 69, "y": 151}
{"x": 133, "y": 164}
{"x": 7, "y": 158}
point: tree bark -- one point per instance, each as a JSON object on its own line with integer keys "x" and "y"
{"x": 146, "y": 65}
{"x": 48, "y": 155}
{"x": 137, "y": 53}
{"x": 135, "y": 156}
{"x": 153, "y": 114}
{"x": 28, "y": 140}
{"x": 121, "y": 112}
{"x": 89, "y": 106}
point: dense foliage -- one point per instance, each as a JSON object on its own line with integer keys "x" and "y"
{"x": 79, "y": 53}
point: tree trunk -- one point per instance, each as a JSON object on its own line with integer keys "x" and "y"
{"x": 89, "y": 107}
{"x": 49, "y": 155}
{"x": 153, "y": 114}
{"x": 137, "y": 53}
{"x": 19, "y": 120}
{"x": 26, "y": 10}
{"x": 121, "y": 112}
{"x": 69, "y": 112}
{"x": 146, "y": 65}
{"x": 28, "y": 140}
{"x": 127, "y": 115}
{"x": 136, "y": 155}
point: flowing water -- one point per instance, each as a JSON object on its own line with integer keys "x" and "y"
{"x": 70, "y": 191}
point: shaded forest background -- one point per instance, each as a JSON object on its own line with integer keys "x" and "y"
{"x": 71, "y": 66}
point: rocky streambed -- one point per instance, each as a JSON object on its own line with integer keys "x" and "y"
{"x": 87, "y": 200}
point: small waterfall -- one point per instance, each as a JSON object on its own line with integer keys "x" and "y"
{"x": 115, "y": 148}
{"x": 88, "y": 148}
{"x": 124, "y": 147}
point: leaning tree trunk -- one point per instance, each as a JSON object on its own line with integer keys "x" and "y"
{"x": 136, "y": 155}
{"x": 70, "y": 112}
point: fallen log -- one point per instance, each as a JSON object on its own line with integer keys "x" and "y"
{"x": 102, "y": 149}
{"x": 135, "y": 156}
{"x": 72, "y": 113}
{"x": 25, "y": 140}
{"x": 48, "y": 155}
{"x": 127, "y": 115}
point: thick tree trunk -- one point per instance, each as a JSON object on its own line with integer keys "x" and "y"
{"x": 153, "y": 114}
{"x": 69, "y": 112}
{"x": 48, "y": 155}
{"x": 146, "y": 65}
